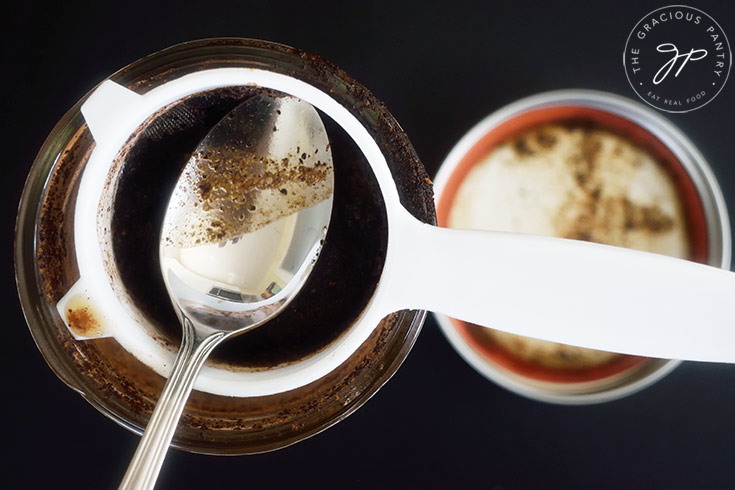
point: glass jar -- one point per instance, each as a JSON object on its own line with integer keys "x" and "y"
{"x": 124, "y": 385}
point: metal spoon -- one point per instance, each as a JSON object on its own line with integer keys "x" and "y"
{"x": 242, "y": 231}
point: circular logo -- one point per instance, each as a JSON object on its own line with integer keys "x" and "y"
{"x": 677, "y": 58}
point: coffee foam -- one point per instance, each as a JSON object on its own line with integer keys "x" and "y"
{"x": 572, "y": 182}
{"x": 544, "y": 182}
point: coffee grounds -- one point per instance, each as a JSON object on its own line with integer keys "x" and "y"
{"x": 341, "y": 283}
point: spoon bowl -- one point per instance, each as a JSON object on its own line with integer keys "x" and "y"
{"x": 242, "y": 231}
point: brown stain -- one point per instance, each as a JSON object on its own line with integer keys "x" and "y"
{"x": 586, "y": 162}
{"x": 545, "y": 139}
{"x": 533, "y": 143}
{"x": 83, "y": 318}
{"x": 616, "y": 216}
{"x": 522, "y": 148}
{"x": 55, "y": 232}
{"x": 592, "y": 213}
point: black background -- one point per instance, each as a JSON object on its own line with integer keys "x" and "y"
{"x": 440, "y": 67}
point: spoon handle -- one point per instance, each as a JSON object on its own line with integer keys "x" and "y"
{"x": 146, "y": 463}
{"x": 566, "y": 291}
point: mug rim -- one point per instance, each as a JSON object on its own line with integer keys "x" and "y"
{"x": 718, "y": 249}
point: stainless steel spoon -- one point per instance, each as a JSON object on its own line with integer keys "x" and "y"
{"x": 242, "y": 231}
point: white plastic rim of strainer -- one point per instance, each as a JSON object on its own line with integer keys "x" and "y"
{"x": 113, "y": 113}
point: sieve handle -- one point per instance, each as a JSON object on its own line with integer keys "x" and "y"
{"x": 566, "y": 291}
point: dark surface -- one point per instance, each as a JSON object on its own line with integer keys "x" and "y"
{"x": 437, "y": 424}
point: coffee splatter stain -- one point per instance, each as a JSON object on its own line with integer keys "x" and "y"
{"x": 545, "y": 139}
{"x": 522, "y": 148}
{"x": 82, "y": 317}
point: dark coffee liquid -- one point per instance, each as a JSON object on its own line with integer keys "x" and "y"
{"x": 342, "y": 281}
